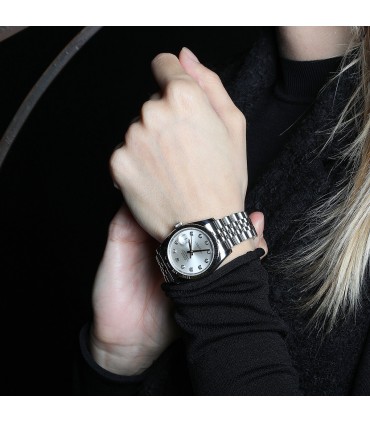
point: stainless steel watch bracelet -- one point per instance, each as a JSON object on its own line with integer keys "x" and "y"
{"x": 234, "y": 229}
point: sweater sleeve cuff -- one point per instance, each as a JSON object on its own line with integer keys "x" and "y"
{"x": 161, "y": 378}
{"x": 103, "y": 373}
{"x": 202, "y": 285}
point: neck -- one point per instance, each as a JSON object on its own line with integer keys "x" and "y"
{"x": 312, "y": 42}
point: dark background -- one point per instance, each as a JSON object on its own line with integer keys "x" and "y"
{"x": 56, "y": 194}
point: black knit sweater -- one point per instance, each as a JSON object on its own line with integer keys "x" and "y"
{"x": 241, "y": 333}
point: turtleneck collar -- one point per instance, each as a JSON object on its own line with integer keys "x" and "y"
{"x": 300, "y": 81}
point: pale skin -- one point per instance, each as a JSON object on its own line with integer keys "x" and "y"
{"x": 133, "y": 321}
{"x": 192, "y": 126}
{"x": 312, "y": 42}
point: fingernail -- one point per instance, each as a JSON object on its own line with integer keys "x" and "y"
{"x": 190, "y": 55}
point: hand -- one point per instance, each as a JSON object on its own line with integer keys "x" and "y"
{"x": 185, "y": 158}
{"x": 258, "y": 221}
{"x": 133, "y": 323}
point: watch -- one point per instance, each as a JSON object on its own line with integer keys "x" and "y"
{"x": 194, "y": 250}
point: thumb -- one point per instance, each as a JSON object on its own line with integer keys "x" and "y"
{"x": 258, "y": 220}
{"x": 209, "y": 81}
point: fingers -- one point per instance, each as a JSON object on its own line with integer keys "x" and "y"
{"x": 258, "y": 221}
{"x": 177, "y": 133}
{"x": 166, "y": 68}
{"x": 208, "y": 81}
{"x": 153, "y": 97}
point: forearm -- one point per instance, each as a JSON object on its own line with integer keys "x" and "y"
{"x": 235, "y": 342}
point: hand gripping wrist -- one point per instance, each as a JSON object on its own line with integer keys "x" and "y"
{"x": 124, "y": 360}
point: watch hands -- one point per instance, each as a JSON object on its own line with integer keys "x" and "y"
{"x": 191, "y": 249}
{"x": 197, "y": 251}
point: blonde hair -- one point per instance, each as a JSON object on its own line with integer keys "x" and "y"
{"x": 332, "y": 268}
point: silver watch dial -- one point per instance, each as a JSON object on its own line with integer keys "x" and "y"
{"x": 191, "y": 251}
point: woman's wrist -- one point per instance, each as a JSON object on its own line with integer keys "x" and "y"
{"x": 239, "y": 250}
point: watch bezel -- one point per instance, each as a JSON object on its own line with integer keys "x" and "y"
{"x": 220, "y": 253}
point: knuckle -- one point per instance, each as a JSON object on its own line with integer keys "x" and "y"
{"x": 183, "y": 91}
{"x": 160, "y": 58}
{"x": 131, "y": 134}
{"x": 177, "y": 87}
{"x": 116, "y": 160}
{"x": 153, "y": 117}
{"x": 150, "y": 113}
{"x": 212, "y": 77}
